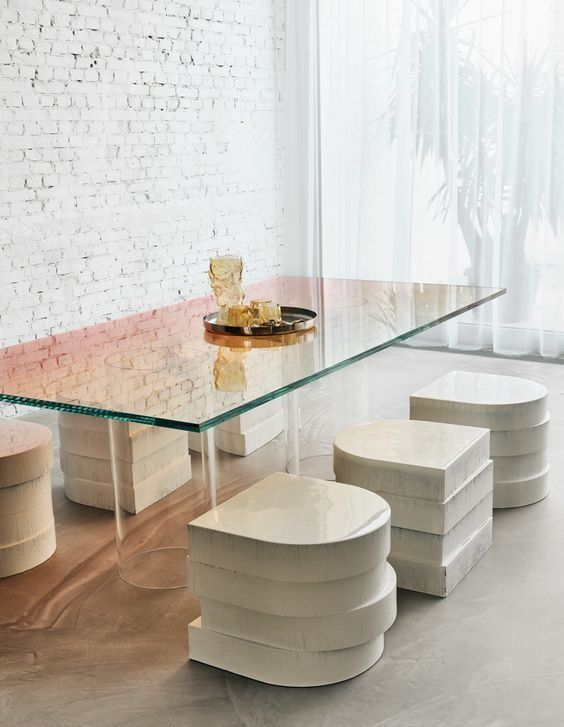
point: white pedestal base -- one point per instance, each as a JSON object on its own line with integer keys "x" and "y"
{"x": 428, "y": 460}
{"x": 439, "y": 580}
{"x": 519, "y": 466}
{"x": 151, "y": 462}
{"x": 505, "y": 443}
{"x": 481, "y": 400}
{"x": 133, "y": 499}
{"x": 27, "y": 527}
{"x": 439, "y": 517}
{"x": 285, "y": 598}
{"x": 292, "y": 528}
{"x": 514, "y": 409}
{"x": 438, "y": 480}
{"x": 245, "y": 443}
{"x": 338, "y": 630}
{"x": 294, "y": 585}
{"x": 26, "y": 554}
{"x": 246, "y": 433}
{"x": 282, "y": 667}
{"x": 519, "y": 493}
{"x": 440, "y": 549}
{"x": 132, "y": 443}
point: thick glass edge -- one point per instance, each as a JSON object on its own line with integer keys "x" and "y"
{"x": 100, "y": 413}
{"x": 247, "y": 406}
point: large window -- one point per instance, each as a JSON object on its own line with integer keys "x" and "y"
{"x": 440, "y": 142}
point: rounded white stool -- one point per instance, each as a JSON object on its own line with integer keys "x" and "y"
{"x": 27, "y": 527}
{"x": 514, "y": 409}
{"x": 293, "y": 581}
{"x": 437, "y": 479}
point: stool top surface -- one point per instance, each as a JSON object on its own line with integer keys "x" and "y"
{"x": 473, "y": 387}
{"x": 17, "y": 437}
{"x": 407, "y": 442}
{"x": 293, "y": 510}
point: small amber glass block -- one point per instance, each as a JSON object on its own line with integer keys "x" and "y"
{"x": 264, "y": 312}
{"x": 257, "y": 309}
{"x": 272, "y": 313}
{"x": 239, "y": 315}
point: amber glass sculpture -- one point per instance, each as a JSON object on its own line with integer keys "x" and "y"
{"x": 226, "y": 277}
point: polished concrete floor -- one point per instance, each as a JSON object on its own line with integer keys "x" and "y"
{"x": 80, "y": 647}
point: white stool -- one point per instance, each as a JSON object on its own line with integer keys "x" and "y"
{"x": 293, "y": 582}
{"x": 437, "y": 479}
{"x": 514, "y": 409}
{"x": 27, "y": 527}
{"x": 244, "y": 434}
{"x": 151, "y": 462}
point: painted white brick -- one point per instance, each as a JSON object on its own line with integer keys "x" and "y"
{"x": 133, "y": 140}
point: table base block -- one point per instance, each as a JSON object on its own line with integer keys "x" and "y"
{"x": 313, "y": 633}
{"x": 26, "y": 554}
{"x": 414, "y": 513}
{"x": 440, "y": 549}
{"x": 439, "y": 580}
{"x": 245, "y": 443}
{"x": 519, "y": 493}
{"x": 520, "y": 441}
{"x": 285, "y": 598}
{"x": 519, "y": 466}
{"x": 282, "y": 667}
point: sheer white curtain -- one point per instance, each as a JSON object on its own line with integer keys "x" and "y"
{"x": 441, "y": 155}
{"x": 303, "y": 187}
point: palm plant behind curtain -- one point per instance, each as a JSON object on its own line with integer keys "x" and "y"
{"x": 441, "y": 143}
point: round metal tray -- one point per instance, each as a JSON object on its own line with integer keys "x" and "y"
{"x": 293, "y": 319}
{"x": 246, "y": 343}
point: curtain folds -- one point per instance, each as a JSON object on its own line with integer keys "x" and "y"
{"x": 439, "y": 135}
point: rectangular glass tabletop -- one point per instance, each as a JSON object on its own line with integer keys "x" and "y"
{"x": 162, "y": 368}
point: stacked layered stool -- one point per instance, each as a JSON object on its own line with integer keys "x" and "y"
{"x": 27, "y": 527}
{"x": 437, "y": 479}
{"x": 151, "y": 462}
{"x": 244, "y": 434}
{"x": 293, "y": 582}
{"x": 514, "y": 409}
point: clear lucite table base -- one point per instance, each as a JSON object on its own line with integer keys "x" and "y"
{"x": 318, "y": 465}
{"x": 159, "y": 569}
{"x": 152, "y": 545}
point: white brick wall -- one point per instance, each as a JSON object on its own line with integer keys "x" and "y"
{"x": 137, "y": 138}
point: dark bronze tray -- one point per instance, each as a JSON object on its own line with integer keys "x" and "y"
{"x": 293, "y": 319}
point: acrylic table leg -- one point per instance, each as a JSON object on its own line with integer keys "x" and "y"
{"x": 292, "y": 433}
{"x": 209, "y": 468}
{"x": 153, "y": 507}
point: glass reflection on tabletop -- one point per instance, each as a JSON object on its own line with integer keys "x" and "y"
{"x": 160, "y": 366}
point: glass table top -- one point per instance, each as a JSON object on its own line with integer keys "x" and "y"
{"x": 162, "y": 368}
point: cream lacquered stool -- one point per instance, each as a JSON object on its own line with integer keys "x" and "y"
{"x": 27, "y": 527}
{"x": 514, "y": 409}
{"x": 244, "y": 434}
{"x": 437, "y": 479}
{"x": 151, "y": 462}
{"x": 293, "y": 582}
